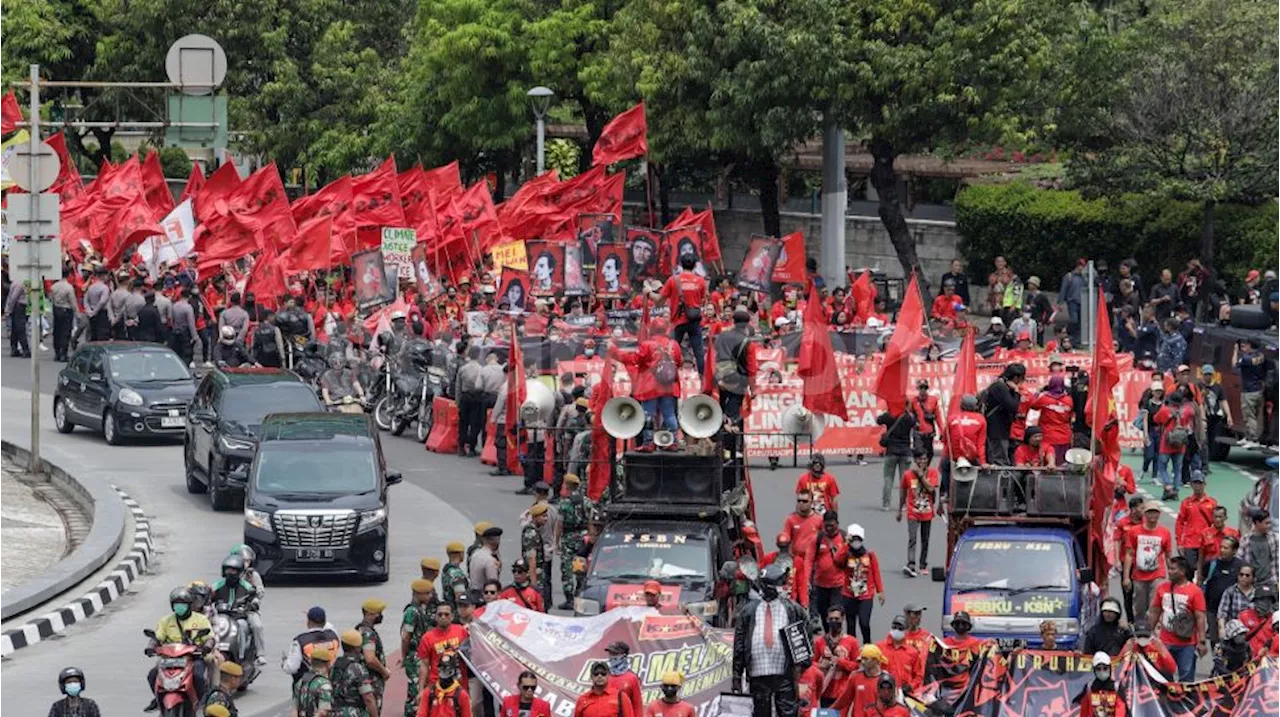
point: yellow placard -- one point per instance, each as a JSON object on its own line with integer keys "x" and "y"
{"x": 511, "y": 254}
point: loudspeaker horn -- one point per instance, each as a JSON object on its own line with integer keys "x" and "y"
{"x": 700, "y": 416}
{"x": 798, "y": 420}
{"x": 539, "y": 403}
{"x": 623, "y": 417}
{"x": 664, "y": 438}
{"x": 963, "y": 472}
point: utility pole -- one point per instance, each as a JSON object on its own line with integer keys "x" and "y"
{"x": 835, "y": 198}
{"x": 36, "y": 293}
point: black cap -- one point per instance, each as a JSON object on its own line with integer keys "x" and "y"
{"x": 886, "y": 680}
{"x": 914, "y": 607}
{"x": 899, "y": 623}
{"x": 741, "y": 316}
{"x": 1141, "y": 628}
{"x": 316, "y": 615}
{"x": 1266, "y": 590}
{"x": 541, "y": 487}
{"x": 963, "y": 617}
{"x": 493, "y": 532}
{"x": 464, "y": 599}
{"x": 618, "y": 648}
{"x": 521, "y": 565}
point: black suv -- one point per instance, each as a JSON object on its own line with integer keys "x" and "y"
{"x": 124, "y": 389}
{"x": 316, "y": 502}
{"x": 223, "y": 423}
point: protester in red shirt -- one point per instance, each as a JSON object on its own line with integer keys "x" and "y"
{"x": 1033, "y": 452}
{"x": 1211, "y": 541}
{"x": 801, "y": 528}
{"x": 858, "y": 693}
{"x": 809, "y": 688}
{"x": 917, "y": 636}
{"x": 928, "y": 420}
{"x": 521, "y": 591}
{"x": 887, "y": 703}
{"x": 836, "y": 652}
{"x": 655, "y": 366}
{"x": 685, "y": 294}
{"x": 670, "y": 704}
{"x": 601, "y": 700}
{"x": 447, "y": 696}
{"x": 967, "y": 433}
{"x": 830, "y": 555}
{"x": 1148, "y": 548}
{"x": 1177, "y": 413}
{"x": 863, "y": 571}
{"x": 918, "y": 497}
{"x": 438, "y": 642}
{"x": 1260, "y": 621}
{"x": 1195, "y": 515}
{"x": 962, "y": 624}
{"x": 944, "y": 304}
{"x": 524, "y": 703}
{"x": 819, "y": 484}
{"x": 1101, "y": 698}
{"x": 1178, "y": 607}
{"x": 905, "y": 662}
{"x": 621, "y": 678}
{"x": 1055, "y": 407}
{"x": 1151, "y": 648}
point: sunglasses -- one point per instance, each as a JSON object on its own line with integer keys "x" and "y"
{"x": 490, "y": 592}
{"x": 528, "y": 688}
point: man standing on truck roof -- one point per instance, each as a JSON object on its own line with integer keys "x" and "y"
{"x": 1252, "y": 366}
{"x": 1148, "y": 548}
{"x": 966, "y": 438}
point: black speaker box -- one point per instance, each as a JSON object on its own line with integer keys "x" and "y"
{"x": 1058, "y": 494}
{"x": 670, "y": 478}
{"x": 980, "y": 496}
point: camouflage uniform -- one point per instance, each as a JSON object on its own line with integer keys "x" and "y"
{"x": 534, "y": 550}
{"x": 219, "y": 696}
{"x": 371, "y": 637}
{"x": 311, "y": 693}
{"x": 351, "y": 682}
{"x": 574, "y": 511}
{"x": 418, "y": 619}
{"x": 453, "y": 581}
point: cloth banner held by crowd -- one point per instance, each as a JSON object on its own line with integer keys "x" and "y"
{"x": 508, "y": 639}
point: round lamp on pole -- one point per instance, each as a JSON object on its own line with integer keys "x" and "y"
{"x": 540, "y": 102}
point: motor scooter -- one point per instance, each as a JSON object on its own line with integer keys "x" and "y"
{"x": 235, "y": 639}
{"x": 175, "y": 685}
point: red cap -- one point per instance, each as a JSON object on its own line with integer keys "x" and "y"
{"x": 1253, "y": 275}
{"x": 1024, "y": 336}
{"x": 652, "y": 586}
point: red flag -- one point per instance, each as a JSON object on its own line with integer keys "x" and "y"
{"x": 789, "y": 268}
{"x": 122, "y": 181}
{"x": 966, "y": 374}
{"x": 315, "y": 247}
{"x": 445, "y": 182}
{"x": 479, "y": 218}
{"x": 266, "y": 280}
{"x": 709, "y": 385}
{"x": 69, "y": 185}
{"x": 863, "y": 293}
{"x": 376, "y": 197}
{"x": 195, "y": 183}
{"x": 210, "y": 206}
{"x": 682, "y": 219}
{"x": 706, "y": 221}
{"x": 260, "y": 205}
{"x": 823, "y": 390}
{"x": 10, "y": 113}
{"x": 522, "y": 215}
{"x": 908, "y": 338}
{"x": 127, "y": 224}
{"x": 572, "y": 192}
{"x": 517, "y": 392}
{"x": 413, "y": 193}
{"x": 1106, "y": 374}
{"x": 333, "y": 200}
{"x": 598, "y": 468}
{"x": 159, "y": 198}
{"x": 623, "y": 138}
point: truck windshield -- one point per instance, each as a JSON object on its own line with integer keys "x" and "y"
{"x": 675, "y": 556}
{"x": 283, "y": 468}
{"x": 1011, "y": 565}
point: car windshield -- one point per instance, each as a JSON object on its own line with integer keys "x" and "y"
{"x": 283, "y": 467}
{"x": 637, "y": 555}
{"x": 249, "y": 404}
{"x": 1011, "y": 565}
{"x": 147, "y": 366}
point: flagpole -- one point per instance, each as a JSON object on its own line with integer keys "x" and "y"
{"x": 648, "y": 185}
{"x": 1093, "y": 386}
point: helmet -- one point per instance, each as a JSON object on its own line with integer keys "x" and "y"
{"x": 200, "y": 592}
{"x": 1234, "y": 629}
{"x": 246, "y": 553}
{"x": 776, "y": 573}
{"x": 180, "y": 595}
{"x": 70, "y": 673}
{"x": 397, "y": 314}
{"x": 234, "y": 563}
{"x": 227, "y": 333}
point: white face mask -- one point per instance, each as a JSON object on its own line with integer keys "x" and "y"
{"x": 897, "y": 634}
{"x": 1144, "y": 641}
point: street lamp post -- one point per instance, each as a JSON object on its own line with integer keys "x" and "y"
{"x": 540, "y": 101}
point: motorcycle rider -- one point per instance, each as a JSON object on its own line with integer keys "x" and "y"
{"x": 202, "y": 598}
{"x": 180, "y": 626}
{"x": 228, "y": 351}
{"x": 71, "y": 683}
{"x": 254, "y": 578}
{"x": 229, "y": 676}
{"x": 339, "y": 381}
{"x": 235, "y": 592}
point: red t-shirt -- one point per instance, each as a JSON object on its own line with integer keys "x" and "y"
{"x": 1195, "y": 515}
{"x": 436, "y": 642}
{"x": 845, "y": 666}
{"x": 823, "y": 488}
{"x": 830, "y": 556}
{"x": 1028, "y": 455}
{"x": 1166, "y": 418}
{"x": 629, "y": 685}
{"x": 1102, "y": 703}
{"x": 864, "y": 576}
{"x": 904, "y": 662}
{"x": 661, "y": 708}
{"x": 1211, "y": 542}
{"x": 511, "y": 707}
{"x": 922, "y": 410}
{"x": 527, "y": 597}
{"x": 967, "y": 437}
{"x": 1055, "y": 417}
{"x": 803, "y": 532}
{"x": 809, "y": 685}
{"x": 456, "y": 703}
{"x": 857, "y": 694}
{"x": 1172, "y": 598}
{"x": 687, "y": 287}
{"x": 920, "y": 493}
{"x": 876, "y": 709}
{"x": 1149, "y": 550}
{"x": 603, "y": 705}
{"x": 1162, "y": 660}
{"x": 944, "y": 307}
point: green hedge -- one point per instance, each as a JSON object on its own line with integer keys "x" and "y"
{"x": 1041, "y": 232}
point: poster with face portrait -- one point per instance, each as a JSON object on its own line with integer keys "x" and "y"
{"x": 429, "y": 285}
{"x": 757, "y": 266}
{"x": 594, "y": 230}
{"x": 576, "y": 282}
{"x": 372, "y": 288}
{"x": 546, "y": 268}
{"x": 682, "y": 242}
{"x": 613, "y": 278}
{"x": 513, "y": 289}
{"x": 644, "y": 248}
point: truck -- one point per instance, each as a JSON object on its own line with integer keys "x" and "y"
{"x": 1021, "y": 550}
{"x": 1219, "y": 346}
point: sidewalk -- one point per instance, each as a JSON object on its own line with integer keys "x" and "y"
{"x": 32, "y": 533}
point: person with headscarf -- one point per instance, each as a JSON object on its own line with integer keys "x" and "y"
{"x": 1056, "y": 411}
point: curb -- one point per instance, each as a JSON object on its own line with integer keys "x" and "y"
{"x": 116, "y": 584}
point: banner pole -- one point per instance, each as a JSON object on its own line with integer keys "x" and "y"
{"x": 648, "y": 190}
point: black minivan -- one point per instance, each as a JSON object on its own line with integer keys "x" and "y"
{"x": 316, "y": 499}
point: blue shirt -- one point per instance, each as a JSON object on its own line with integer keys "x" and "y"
{"x": 1251, "y": 374}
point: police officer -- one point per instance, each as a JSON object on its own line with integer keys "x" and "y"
{"x": 574, "y": 511}
{"x": 313, "y": 692}
{"x": 419, "y": 617}
{"x": 71, "y": 683}
{"x": 354, "y": 694}
{"x": 229, "y": 676}
{"x": 478, "y": 543}
{"x": 375, "y": 656}
{"x": 454, "y": 578}
{"x": 534, "y": 550}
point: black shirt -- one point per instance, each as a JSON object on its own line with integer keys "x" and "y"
{"x": 1221, "y": 575}
{"x": 78, "y": 707}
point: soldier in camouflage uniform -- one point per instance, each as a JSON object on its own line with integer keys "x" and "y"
{"x": 353, "y": 689}
{"x": 375, "y": 655}
{"x": 229, "y": 675}
{"x": 313, "y": 693}
{"x": 419, "y": 617}
{"x": 453, "y": 580}
{"x": 534, "y": 551}
{"x": 575, "y": 509}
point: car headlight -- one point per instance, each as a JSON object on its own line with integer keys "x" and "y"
{"x": 235, "y": 444}
{"x": 130, "y": 397}
{"x": 370, "y": 519}
{"x": 703, "y": 609}
{"x": 258, "y": 519}
{"x": 583, "y": 606}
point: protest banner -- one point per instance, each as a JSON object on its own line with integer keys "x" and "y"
{"x": 758, "y": 264}
{"x": 613, "y": 280}
{"x": 372, "y": 288}
{"x": 511, "y": 254}
{"x": 397, "y": 248}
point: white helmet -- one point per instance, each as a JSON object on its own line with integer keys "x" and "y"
{"x": 397, "y": 314}
{"x": 227, "y": 332}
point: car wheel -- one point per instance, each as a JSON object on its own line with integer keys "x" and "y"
{"x": 60, "y": 419}
{"x": 219, "y": 499}
{"x": 189, "y": 468}
{"x": 110, "y": 429}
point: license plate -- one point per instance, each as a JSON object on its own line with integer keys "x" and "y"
{"x": 173, "y": 422}
{"x": 314, "y": 555}
{"x": 1010, "y": 643}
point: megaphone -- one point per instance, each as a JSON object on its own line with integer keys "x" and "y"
{"x": 538, "y": 404}
{"x": 800, "y": 421}
{"x": 700, "y": 416}
{"x": 623, "y": 417}
{"x": 962, "y": 471}
{"x": 664, "y": 438}
{"x": 1078, "y": 457}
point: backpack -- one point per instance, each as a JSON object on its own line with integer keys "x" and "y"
{"x": 665, "y": 369}
{"x": 291, "y": 322}
{"x": 264, "y": 339}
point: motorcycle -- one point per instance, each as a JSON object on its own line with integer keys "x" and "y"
{"x": 346, "y": 404}
{"x": 235, "y": 639}
{"x": 411, "y": 391}
{"x": 175, "y": 686}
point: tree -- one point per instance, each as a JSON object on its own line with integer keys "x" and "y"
{"x": 1194, "y": 118}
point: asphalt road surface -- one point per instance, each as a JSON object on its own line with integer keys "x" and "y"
{"x": 440, "y": 500}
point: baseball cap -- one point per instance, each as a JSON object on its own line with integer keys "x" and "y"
{"x": 856, "y": 531}
{"x": 899, "y": 622}
{"x": 1207, "y": 369}
{"x": 1150, "y": 506}
{"x": 914, "y": 607}
{"x": 652, "y": 586}
{"x": 618, "y": 648}
{"x": 1111, "y": 604}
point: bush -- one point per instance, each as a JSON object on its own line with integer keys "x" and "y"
{"x": 175, "y": 162}
{"x": 1042, "y": 232}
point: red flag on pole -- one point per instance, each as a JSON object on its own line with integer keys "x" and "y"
{"x": 966, "y": 374}
{"x": 315, "y": 247}
{"x": 69, "y": 185}
{"x": 1106, "y": 374}
{"x": 623, "y": 138}
{"x": 195, "y": 183}
{"x": 823, "y": 391}
{"x": 517, "y": 392}
{"x": 908, "y": 338}
{"x": 376, "y": 197}
{"x": 159, "y": 198}
{"x": 863, "y": 293}
{"x": 266, "y": 280}
{"x": 598, "y": 468}
{"x": 10, "y": 113}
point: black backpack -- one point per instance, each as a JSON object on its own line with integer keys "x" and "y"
{"x": 264, "y": 340}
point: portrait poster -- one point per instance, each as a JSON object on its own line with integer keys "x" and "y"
{"x": 644, "y": 247}
{"x": 513, "y": 289}
{"x": 576, "y": 281}
{"x": 477, "y": 323}
{"x": 594, "y": 230}
{"x": 613, "y": 275}
{"x": 756, "y": 273}
{"x": 546, "y": 268}
{"x": 429, "y": 285}
{"x": 370, "y": 278}
{"x": 682, "y": 242}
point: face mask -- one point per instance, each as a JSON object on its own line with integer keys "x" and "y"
{"x": 1102, "y": 674}
{"x": 897, "y": 635}
{"x": 1144, "y": 641}
{"x": 589, "y": 353}
{"x": 73, "y": 688}
{"x": 181, "y": 609}
{"x": 769, "y": 592}
{"x": 670, "y": 691}
{"x": 856, "y": 544}
{"x": 619, "y": 664}
{"x": 833, "y": 626}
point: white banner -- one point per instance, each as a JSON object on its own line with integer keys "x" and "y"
{"x": 177, "y": 241}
